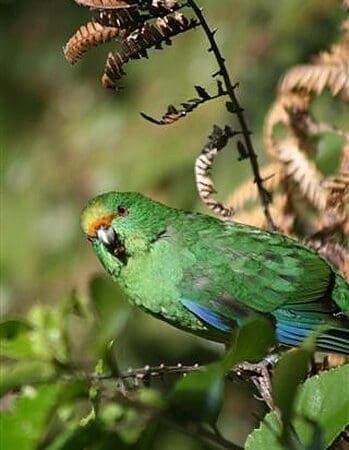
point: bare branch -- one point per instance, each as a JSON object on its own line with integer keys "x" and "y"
{"x": 234, "y": 107}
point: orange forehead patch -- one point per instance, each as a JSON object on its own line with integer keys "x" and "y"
{"x": 102, "y": 221}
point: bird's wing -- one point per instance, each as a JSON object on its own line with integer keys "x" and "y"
{"x": 240, "y": 270}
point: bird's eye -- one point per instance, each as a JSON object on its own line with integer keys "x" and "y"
{"x": 122, "y": 210}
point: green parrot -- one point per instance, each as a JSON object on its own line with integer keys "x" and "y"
{"x": 208, "y": 276}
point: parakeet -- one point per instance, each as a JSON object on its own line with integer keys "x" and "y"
{"x": 208, "y": 276}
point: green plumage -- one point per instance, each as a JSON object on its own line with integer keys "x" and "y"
{"x": 207, "y": 276}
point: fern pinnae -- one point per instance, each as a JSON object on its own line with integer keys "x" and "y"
{"x": 89, "y": 35}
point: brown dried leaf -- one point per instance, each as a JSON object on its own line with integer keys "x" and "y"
{"x": 129, "y": 19}
{"x": 203, "y": 164}
{"x": 279, "y": 113}
{"x": 331, "y": 250}
{"x": 278, "y": 209}
{"x": 302, "y": 172}
{"x": 136, "y": 44}
{"x": 106, "y": 4}
{"x": 87, "y": 36}
{"x": 329, "y": 69}
{"x": 272, "y": 174}
{"x": 337, "y": 205}
{"x": 313, "y": 79}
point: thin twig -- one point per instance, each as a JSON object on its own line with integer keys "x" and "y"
{"x": 258, "y": 373}
{"x": 146, "y": 372}
{"x": 263, "y": 193}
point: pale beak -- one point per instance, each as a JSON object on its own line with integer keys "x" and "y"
{"x": 107, "y": 236}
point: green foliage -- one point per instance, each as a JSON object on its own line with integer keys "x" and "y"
{"x": 323, "y": 401}
{"x": 290, "y": 371}
{"x": 10, "y": 329}
{"x": 245, "y": 346}
{"x": 199, "y": 395}
{"x": 108, "y": 299}
{"x": 64, "y": 139}
{"x": 24, "y": 425}
{"x": 321, "y": 414}
{"x": 67, "y": 404}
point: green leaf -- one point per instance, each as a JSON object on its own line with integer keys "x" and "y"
{"x": 14, "y": 339}
{"x": 43, "y": 337}
{"x": 322, "y": 413}
{"x": 23, "y": 425}
{"x": 150, "y": 397}
{"x": 112, "y": 309}
{"x": 18, "y": 347}
{"x": 251, "y": 342}
{"x": 266, "y": 436}
{"x": 10, "y": 329}
{"x": 48, "y": 339}
{"x": 289, "y": 372}
{"x": 26, "y": 372}
{"x": 324, "y": 399}
{"x": 198, "y": 396}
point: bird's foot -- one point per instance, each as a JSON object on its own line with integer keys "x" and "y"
{"x": 259, "y": 374}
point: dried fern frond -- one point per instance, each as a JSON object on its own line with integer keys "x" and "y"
{"x": 203, "y": 164}
{"x": 279, "y": 113}
{"x": 282, "y": 217}
{"x": 337, "y": 205}
{"x": 152, "y": 6}
{"x": 132, "y": 18}
{"x": 136, "y": 44}
{"x": 88, "y": 36}
{"x": 272, "y": 175}
{"x": 173, "y": 114}
{"x": 314, "y": 78}
{"x": 292, "y": 149}
{"x": 332, "y": 251}
{"x": 329, "y": 69}
{"x": 127, "y": 18}
{"x": 106, "y": 4}
{"x": 303, "y": 173}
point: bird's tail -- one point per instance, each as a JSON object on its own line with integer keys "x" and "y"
{"x": 294, "y": 325}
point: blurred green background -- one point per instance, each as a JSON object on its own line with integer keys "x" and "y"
{"x": 65, "y": 139}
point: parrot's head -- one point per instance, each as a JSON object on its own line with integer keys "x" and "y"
{"x": 122, "y": 223}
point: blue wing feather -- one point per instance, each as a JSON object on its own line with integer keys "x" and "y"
{"x": 208, "y": 316}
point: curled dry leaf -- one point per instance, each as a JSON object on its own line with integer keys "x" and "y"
{"x": 106, "y": 4}
{"x": 314, "y": 78}
{"x": 283, "y": 217}
{"x": 272, "y": 175}
{"x": 87, "y": 36}
{"x": 329, "y": 69}
{"x": 303, "y": 172}
{"x": 203, "y": 164}
{"x": 128, "y": 20}
{"x": 337, "y": 206}
{"x": 289, "y": 129}
{"x": 136, "y": 44}
{"x": 279, "y": 113}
